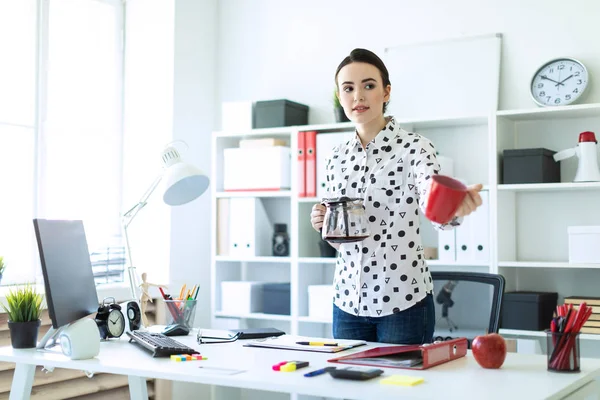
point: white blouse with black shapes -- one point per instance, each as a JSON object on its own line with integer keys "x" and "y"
{"x": 387, "y": 272}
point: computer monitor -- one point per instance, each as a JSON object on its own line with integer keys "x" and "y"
{"x": 68, "y": 278}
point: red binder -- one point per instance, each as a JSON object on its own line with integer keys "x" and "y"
{"x": 301, "y": 164}
{"x": 408, "y": 357}
{"x": 311, "y": 164}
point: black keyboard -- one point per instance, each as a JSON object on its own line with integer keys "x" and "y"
{"x": 158, "y": 344}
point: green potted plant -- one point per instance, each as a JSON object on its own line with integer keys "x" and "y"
{"x": 340, "y": 115}
{"x": 2, "y": 267}
{"x": 24, "y": 307}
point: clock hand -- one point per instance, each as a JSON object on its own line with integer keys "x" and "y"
{"x": 114, "y": 322}
{"x": 552, "y": 80}
{"x": 568, "y": 77}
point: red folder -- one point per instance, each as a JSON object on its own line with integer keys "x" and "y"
{"x": 408, "y": 357}
{"x": 301, "y": 164}
{"x": 311, "y": 164}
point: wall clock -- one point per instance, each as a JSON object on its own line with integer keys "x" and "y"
{"x": 559, "y": 82}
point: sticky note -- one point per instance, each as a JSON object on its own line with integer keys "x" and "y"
{"x": 187, "y": 357}
{"x": 402, "y": 380}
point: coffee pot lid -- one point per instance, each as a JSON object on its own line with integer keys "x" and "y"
{"x": 343, "y": 199}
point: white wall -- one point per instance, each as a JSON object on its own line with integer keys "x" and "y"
{"x": 193, "y": 121}
{"x": 272, "y": 49}
{"x": 193, "y": 116}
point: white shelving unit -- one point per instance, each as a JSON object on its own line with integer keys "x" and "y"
{"x": 528, "y": 222}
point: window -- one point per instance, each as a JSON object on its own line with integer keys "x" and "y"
{"x": 61, "y": 127}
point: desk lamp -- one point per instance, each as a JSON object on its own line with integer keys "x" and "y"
{"x": 182, "y": 183}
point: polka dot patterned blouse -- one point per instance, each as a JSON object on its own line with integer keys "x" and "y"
{"x": 387, "y": 272}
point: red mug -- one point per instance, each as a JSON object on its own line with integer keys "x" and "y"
{"x": 445, "y": 196}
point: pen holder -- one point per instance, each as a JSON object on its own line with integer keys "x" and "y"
{"x": 564, "y": 353}
{"x": 180, "y": 317}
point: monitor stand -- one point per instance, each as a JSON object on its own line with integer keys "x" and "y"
{"x": 50, "y": 339}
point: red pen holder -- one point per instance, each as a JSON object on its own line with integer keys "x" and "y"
{"x": 564, "y": 352}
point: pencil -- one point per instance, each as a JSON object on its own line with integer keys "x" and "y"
{"x": 317, "y": 344}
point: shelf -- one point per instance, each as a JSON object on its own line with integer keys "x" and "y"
{"x": 439, "y": 263}
{"x": 420, "y": 123}
{"x": 340, "y": 127}
{"x": 264, "y": 259}
{"x": 550, "y": 187}
{"x": 545, "y": 264}
{"x": 317, "y": 260}
{"x": 272, "y": 317}
{"x": 439, "y": 122}
{"x": 309, "y": 200}
{"x": 550, "y": 113}
{"x": 315, "y": 320}
{"x": 256, "y": 133}
{"x": 518, "y": 332}
{"x": 257, "y": 193}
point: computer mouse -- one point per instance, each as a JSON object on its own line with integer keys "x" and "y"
{"x": 176, "y": 330}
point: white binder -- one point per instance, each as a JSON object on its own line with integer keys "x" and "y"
{"x": 447, "y": 245}
{"x": 464, "y": 248}
{"x": 473, "y": 236}
{"x": 249, "y": 228}
{"x": 325, "y": 144}
{"x": 480, "y": 230}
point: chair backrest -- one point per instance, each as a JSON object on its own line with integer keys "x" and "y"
{"x": 467, "y": 304}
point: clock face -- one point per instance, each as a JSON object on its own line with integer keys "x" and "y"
{"x": 559, "y": 82}
{"x": 116, "y": 323}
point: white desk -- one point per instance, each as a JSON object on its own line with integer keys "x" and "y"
{"x": 521, "y": 377}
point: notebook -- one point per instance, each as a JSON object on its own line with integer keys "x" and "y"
{"x": 218, "y": 335}
{"x": 408, "y": 357}
{"x": 258, "y": 333}
{"x": 288, "y": 342}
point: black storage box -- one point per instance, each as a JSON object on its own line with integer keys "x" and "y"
{"x": 277, "y": 113}
{"x": 530, "y": 166}
{"x": 530, "y": 311}
{"x": 276, "y": 298}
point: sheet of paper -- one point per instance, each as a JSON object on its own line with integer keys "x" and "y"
{"x": 288, "y": 342}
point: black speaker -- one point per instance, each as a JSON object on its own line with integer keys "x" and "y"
{"x": 134, "y": 315}
{"x": 281, "y": 241}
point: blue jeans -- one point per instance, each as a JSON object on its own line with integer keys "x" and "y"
{"x": 414, "y": 325}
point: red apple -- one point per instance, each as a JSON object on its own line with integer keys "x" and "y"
{"x": 489, "y": 350}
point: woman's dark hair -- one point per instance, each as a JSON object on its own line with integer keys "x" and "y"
{"x": 368, "y": 57}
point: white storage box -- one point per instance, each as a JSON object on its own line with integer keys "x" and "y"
{"x": 266, "y": 168}
{"x": 320, "y": 301}
{"x": 236, "y": 116}
{"x": 241, "y": 297}
{"x": 584, "y": 244}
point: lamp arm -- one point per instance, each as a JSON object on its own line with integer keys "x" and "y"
{"x": 128, "y": 216}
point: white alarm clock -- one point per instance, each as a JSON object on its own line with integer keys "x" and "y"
{"x": 559, "y": 82}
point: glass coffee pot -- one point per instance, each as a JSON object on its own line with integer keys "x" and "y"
{"x": 345, "y": 220}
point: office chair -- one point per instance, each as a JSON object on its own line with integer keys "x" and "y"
{"x": 467, "y": 304}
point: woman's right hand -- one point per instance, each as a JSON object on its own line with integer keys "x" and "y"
{"x": 317, "y": 215}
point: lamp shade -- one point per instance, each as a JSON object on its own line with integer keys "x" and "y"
{"x": 182, "y": 182}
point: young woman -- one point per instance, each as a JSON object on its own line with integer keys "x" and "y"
{"x": 383, "y": 287}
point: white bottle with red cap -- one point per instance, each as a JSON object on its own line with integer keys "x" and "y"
{"x": 587, "y": 152}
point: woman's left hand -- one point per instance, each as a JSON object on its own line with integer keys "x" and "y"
{"x": 471, "y": 202}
